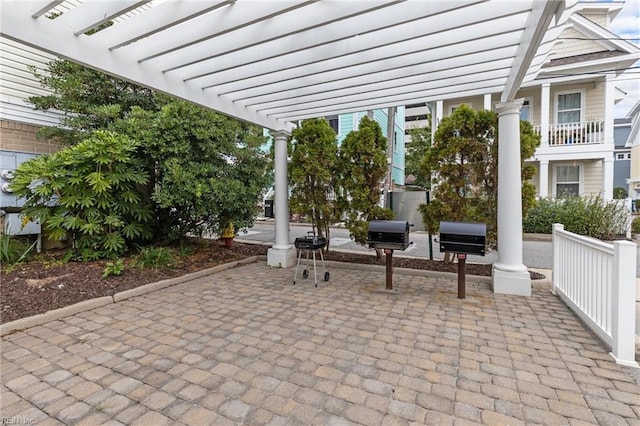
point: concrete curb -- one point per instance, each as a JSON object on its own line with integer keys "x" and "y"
{"x": 86, "y": 305}
{"x": 148, "y": 288}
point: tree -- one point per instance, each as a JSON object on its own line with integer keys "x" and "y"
{"x": 416, "y": 151}
{"x": 362, "y": 167}
{"x": 90, "y": 99}
{"x": 87, "y": 193}
{"x": 205, "y": 170}
{"x": 314, "y": 154}
{"x": 208, "y": 169}
{"x": 464, "y": 161}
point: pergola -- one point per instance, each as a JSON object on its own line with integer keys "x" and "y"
{"x": 273, "y": 62}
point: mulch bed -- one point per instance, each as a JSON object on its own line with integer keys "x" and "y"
{"x": 46, "y": 282}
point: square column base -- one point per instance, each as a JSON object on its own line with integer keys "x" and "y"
{"x": 281, "y": 257}
{"x": 511, "y": 282}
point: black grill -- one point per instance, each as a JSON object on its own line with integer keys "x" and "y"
{"x": 310, "y": 243}
{"x": 388, "y": 234}
{"x": 463, "y": 237}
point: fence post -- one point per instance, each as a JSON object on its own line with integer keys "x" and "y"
{"x": 555, "y": 273}
{"x": 623, "y": 325}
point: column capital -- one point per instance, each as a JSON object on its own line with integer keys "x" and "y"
{"x": 509, "y": 107}
{"x": 279, "y": 133}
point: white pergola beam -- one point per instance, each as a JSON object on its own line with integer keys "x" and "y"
{"x": 214, "y": 26}
{"x": 369, "y": 62}
{"x": 407, "y": 100}
{"x": 537, "y": 24}
{"x": 40, "y": 8}
{"x": 92, "y": 14}
{"x": 300, "y": 25}
{"x": 368, "y": 93}
{"x": 332, "y": 90}
{"x": 478, "y": 87}
{"x": 57, "y": 40}
{"x": 367, "y": 48}
{"x": 380, "y": 75}
{"x": 231, "y": 54}
{"x": 158, "y": 18}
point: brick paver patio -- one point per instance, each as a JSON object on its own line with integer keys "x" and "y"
{"x": 244, "y": 346}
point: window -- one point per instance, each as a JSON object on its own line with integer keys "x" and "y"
{"x": 567, "y": 180}
{"x": 525, "y": 111}
{"x": 333, "y": 122}
{"x": 569, "y": 108}
{"x": 623, "y": 156}
{"x": 395, "y": 141}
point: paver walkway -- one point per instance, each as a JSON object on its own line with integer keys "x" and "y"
{"x": 244, "y": 346}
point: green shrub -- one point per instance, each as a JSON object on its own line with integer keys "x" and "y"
{"x": 154, "y": 258}
{"x": 14, "y": 250}
{"x": 89, "y": 194}
{"x": 619, "y": 193}
{"x": 113, "y": 268}
{"x": 635, "y": 225}
{"x": 592, "y": 217}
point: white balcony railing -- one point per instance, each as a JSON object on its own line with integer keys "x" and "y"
{"x": 597, "y": 281}
{"x": 582, "y": 133}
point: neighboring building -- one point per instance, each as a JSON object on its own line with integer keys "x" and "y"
{"x": 345, "y": 123}
{"x": 622, "y": 154}
{"x": 633, "y": 143}
{"x": 570, "y": 103}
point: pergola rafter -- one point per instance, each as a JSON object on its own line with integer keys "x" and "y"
{"x": 271, "y": 61}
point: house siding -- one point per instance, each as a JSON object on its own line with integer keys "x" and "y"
{"x": 635, "y": 161}
{"x": 592, "y": 175}
{"x": 573, "y": 44}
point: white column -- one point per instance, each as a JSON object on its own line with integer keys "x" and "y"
{"x": 510, "y": 276}
{"x": 607, "y": 177}
{"x": 439, "y": 111}
{"x": 545, "y": 104}
{"x": 282, "y": 254}
{"x": 543, "y": 179}
{"x": 487, "y": 102}
{"x": 609, "y": 100}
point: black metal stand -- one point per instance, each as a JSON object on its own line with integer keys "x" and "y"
{"x": 389, "y": 263}
{"x": 310, "y": 244}
{"x": 462, "y": 270}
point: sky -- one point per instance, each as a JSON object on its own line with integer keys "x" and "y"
{"x": 627, "y": 26}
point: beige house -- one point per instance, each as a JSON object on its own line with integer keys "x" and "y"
{"x": 570, "y": 102}
{"x": 633, "y": 142}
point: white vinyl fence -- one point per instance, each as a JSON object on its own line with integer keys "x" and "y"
{"x": 597, "y": 281}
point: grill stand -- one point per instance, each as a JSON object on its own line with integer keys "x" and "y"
{"x": 462, "y": 269}
{"x": 388, "y": 254}
{"x": 310, "y": 245}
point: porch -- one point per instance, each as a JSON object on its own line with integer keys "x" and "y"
{"x": 580, "y": 133}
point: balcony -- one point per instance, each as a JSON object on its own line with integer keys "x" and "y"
{"x": 582, "y": 133}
